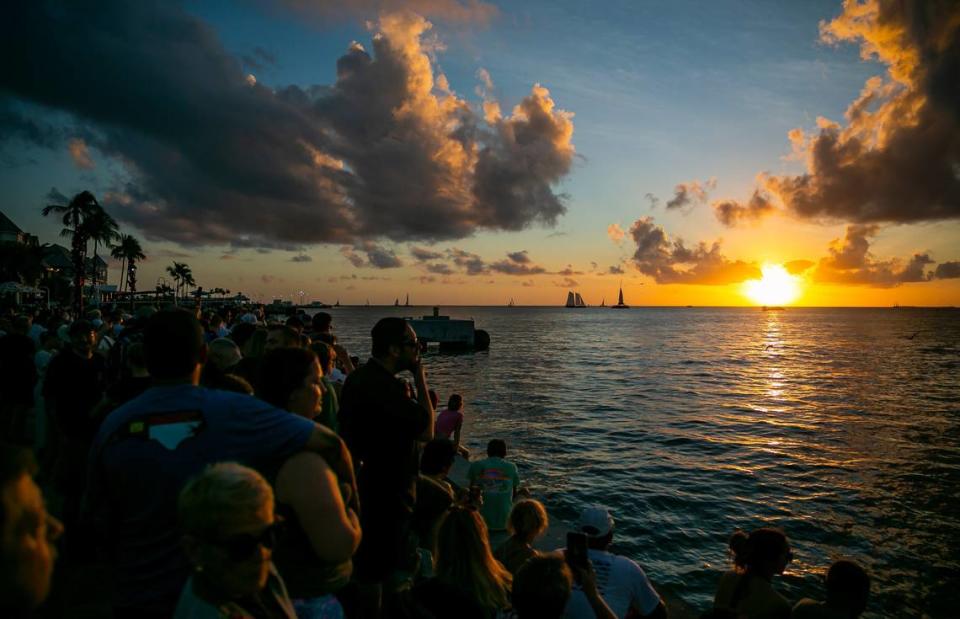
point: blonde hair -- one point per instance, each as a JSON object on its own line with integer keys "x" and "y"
{"x": 221, "y": 489}
{"x": 528, "y": 519}
{"x": 464, "y": 559}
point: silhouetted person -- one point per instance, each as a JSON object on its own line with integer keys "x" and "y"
{"x": 435, "y": 495}
{"x": 499, "y": 480}
{"x": 383, "y": 428}
{"x": 620, "y": 581}
{"x": 848, "y": 589}
{"x": 149, "y": 447}
{"x": 748, "y": 588}
{"x": 542, "y": 588}
{"x": 528, "y": 521}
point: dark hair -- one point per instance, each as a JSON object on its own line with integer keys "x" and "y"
{"x": 294, "y": 321}
{"x": 438, "y": 454}
{"x": 79, "y": 327}
{"x": 542, "y": 588}
{"x": 242, "y": 332}
{"x": 321, "y": 321}
{"x": 386, "y": 333}
{"x": 135, "y": 355}
{"x": 15, "y": 461}
{"x": 497, "y": 447}
{"x": 281, "y": 372}
{"x": 290, "y": 335}
{"x": 455, "y": 402}
{"x": 761, "y": 546}
{"x": 173, "y": 343}
{"x": 323, "y": 351}
{"x": 847, "y": 581}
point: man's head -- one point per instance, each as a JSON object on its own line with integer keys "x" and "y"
{"x": 455, "y": 402}
{"x": 542, "y": 587}
{"x": 848, "y": 587}
{"x": 497, "y": 448}
{"x": 438, "y": 456}
{"x": 83, "y": 337}
{"x": 27, "y": 533}
{"x": 224, "y": 353}
{"x": 395, "y": 344}
{"x": 597, "y": 524}
{"x": 174, "y": 346}
{"x": 281, "y": 336}
{"x": 322, "y": 322}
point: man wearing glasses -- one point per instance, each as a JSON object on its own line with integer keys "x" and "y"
{"x": 383, "y": 429}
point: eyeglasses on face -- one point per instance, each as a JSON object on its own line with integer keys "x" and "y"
{"x": 242, "y": 546}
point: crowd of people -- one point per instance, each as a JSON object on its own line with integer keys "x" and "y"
{"x": 224, "y": 465}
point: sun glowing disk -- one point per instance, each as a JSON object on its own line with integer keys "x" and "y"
{"x": 777, "y": 287}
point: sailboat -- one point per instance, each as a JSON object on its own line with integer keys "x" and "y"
{"x": 574, "y": 300}
{"x": 603, "y": 303}
{"x": 397, "y": 302}
{"x": 510, "y": 304}
{"x": 620, "y": 304}
{"x": 407, "y": 302}
{"x": 337, "y": 304}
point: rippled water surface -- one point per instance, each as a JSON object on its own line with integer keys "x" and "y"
{"x": 842, "y": 426}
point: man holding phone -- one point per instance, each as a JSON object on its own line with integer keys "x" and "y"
{"x": 621, "y": 582}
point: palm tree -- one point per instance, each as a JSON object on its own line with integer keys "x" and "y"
{"x": 174, "y": 271}
{"x": 183, "y": 276}
{"x": 100, "y": 227}
{"x": 128, "y": 252}
{"x": 75, "y": 213}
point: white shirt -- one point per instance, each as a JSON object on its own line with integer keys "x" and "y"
{"x": 622, "y": 585}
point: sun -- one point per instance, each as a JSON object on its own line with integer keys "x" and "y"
{"x": 777, "y": 287}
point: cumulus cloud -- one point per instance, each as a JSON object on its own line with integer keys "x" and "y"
{"x": 80, "y": 154}
{"x": 690, "y": 194}
{"x": 470, "y": 263}
{"x": 422, "y": 254}
{"x": 615, "y": 269}
{"x": 947, "y": 270}
{"x": 377, "y": 256}
{"x": 733, "y": 212}
{"x": 520, "y": 257}
{"x": 387, "y": 151}
{"x": 569, "y": 271}
{"x": 896, "y": 158}
{"x": 652, "y": 200}
{"x": 517, "y": 263}
{"x": 670, "y": 261}
{"x": 616, "y": 233}
{"x": 567, "y": 282}
{"x": 849, "y": 261}
{"x": 440, "y": 268}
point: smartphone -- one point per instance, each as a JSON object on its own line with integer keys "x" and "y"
{"x": 576, "y": 554}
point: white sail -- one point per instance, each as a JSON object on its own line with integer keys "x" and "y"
{"x": 570, "y": 300}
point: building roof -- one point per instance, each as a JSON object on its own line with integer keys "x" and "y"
{"x": 57, "y": 257}
{"x": 8, "y": 226}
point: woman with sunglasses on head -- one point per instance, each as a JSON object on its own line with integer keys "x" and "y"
{"x": 322, "y": 530}
{"x": 229, "y": 531}
{"x": 747, "y": 590}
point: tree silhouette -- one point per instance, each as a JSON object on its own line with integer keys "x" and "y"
{"x": 75, "y": 213}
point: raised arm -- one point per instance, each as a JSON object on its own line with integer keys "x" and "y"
{"x": 423, "y": 398}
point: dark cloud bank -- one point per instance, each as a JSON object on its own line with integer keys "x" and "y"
{"x": 387, "y": 151}
{"x": 896, "y": 159}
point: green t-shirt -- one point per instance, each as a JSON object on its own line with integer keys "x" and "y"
{"x": 498, "y": 479}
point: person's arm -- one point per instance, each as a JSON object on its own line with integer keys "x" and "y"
{"x": 423, "y": 398}
{"x": 310, "y": 488}
{"x": 334, "y": 451}
{"x": 587, "y": 580}
{"x": 456, "y": 434}
{"x": 344, "y": 358}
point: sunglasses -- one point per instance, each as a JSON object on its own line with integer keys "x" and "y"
{"x": 241, "y": 547}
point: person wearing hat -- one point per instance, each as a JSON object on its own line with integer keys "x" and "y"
{"x": 621, "y": 582}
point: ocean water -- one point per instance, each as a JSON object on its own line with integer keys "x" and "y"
{"x": 841, "y": 426}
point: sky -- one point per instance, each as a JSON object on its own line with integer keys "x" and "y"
{"x": 470, "y": 152}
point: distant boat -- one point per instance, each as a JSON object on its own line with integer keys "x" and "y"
{"x": 603, "y": 303}
{"x": 397, "y": 302}
{"x": 574, "y": 300}
{"x": 407, "y": 302}
{"x": 337, "y": 304}
{"x": 620, "y": 304}
{"x": 368, "y": 303}
{"x": 510, "y": 304}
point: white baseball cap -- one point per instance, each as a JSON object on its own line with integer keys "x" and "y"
{"x": 596, "y": 521}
